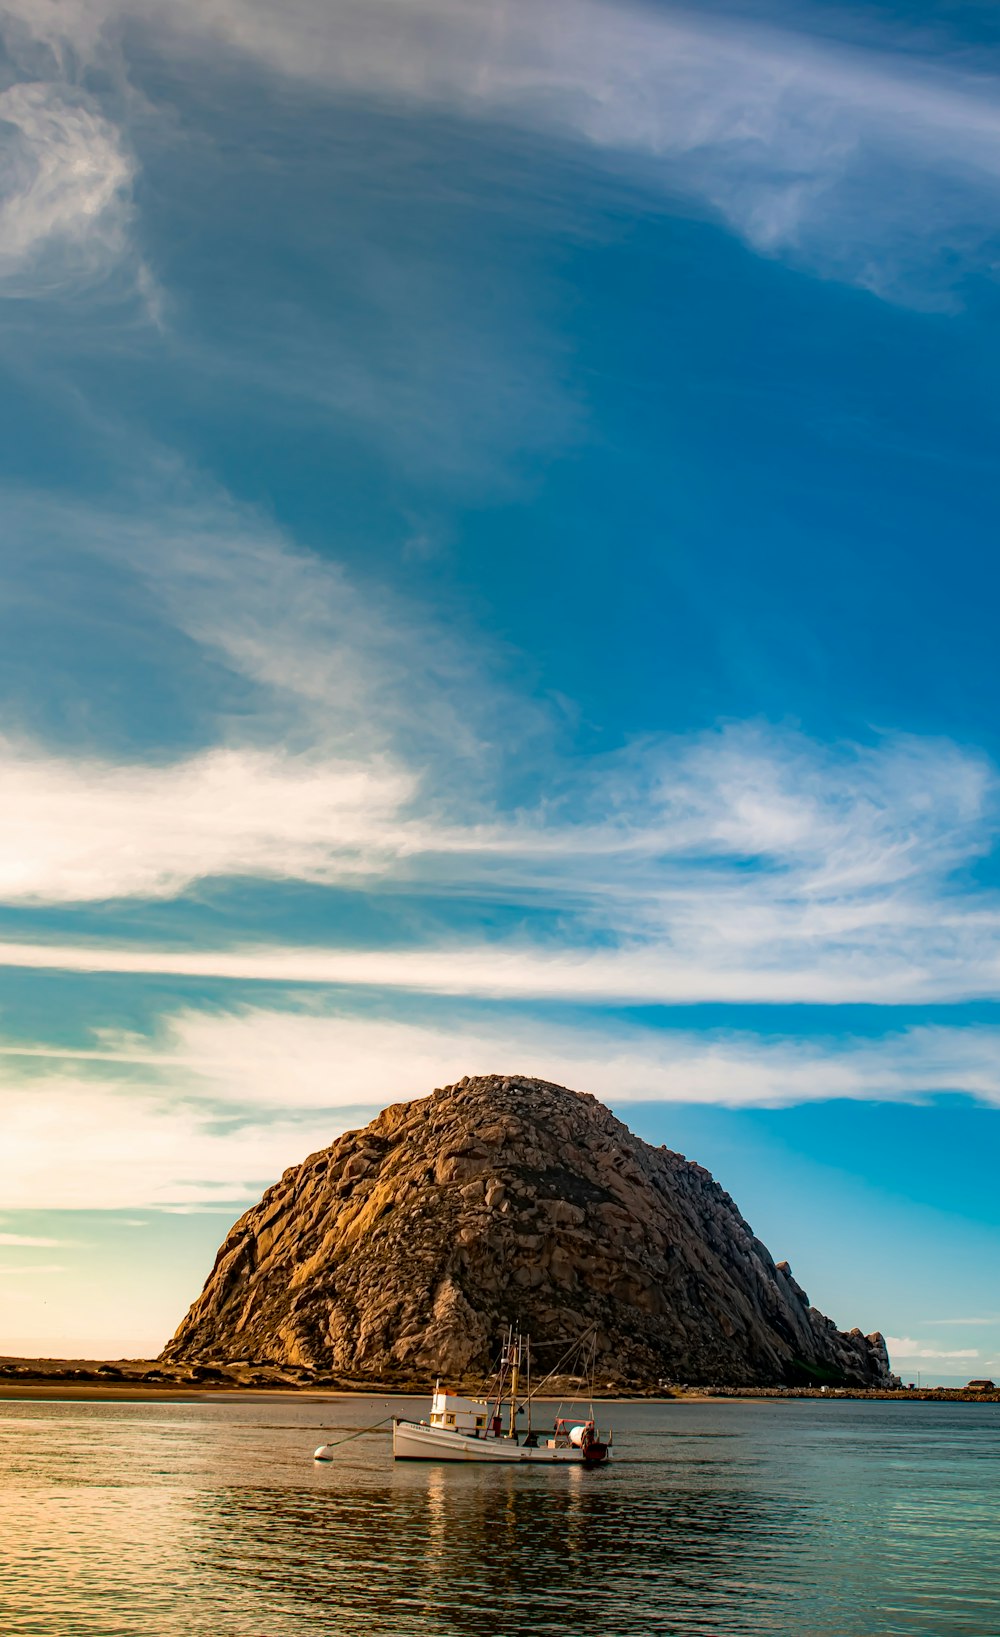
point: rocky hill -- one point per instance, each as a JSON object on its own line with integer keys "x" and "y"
{"x": 402, "y": 1250}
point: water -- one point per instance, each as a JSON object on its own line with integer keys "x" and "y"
{"x": 733, "y": 1519}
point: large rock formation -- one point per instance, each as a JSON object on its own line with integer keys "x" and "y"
{"x": 404, "y": 1249}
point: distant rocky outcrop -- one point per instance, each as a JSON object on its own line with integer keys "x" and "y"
{"x": 403, "y": 1249}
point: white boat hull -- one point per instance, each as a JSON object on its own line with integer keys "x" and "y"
{"x": 416, "y": 1441}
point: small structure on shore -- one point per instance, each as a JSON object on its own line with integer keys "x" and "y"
{"x": 984, "y": 1385}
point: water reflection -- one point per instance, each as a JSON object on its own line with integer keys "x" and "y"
{"x": 837, "y": 1520}
{"x": 442, "y": 1549}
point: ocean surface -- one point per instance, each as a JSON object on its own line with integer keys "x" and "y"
{"x": 734, "y": 1518}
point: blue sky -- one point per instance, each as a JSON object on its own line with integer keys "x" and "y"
{"x": 499, "y": 571}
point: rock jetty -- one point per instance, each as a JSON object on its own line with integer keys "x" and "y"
{"x": 401, "y": 1251}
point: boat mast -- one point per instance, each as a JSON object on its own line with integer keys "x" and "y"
{"x": 515, "y": 1355}
{"x": 527, "y": 1367}
{"x": 504, "y": 1356}
{"x": 593, "y": 1369}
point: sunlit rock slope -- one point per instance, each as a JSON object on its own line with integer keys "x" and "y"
{"x": 403, "y": 1249}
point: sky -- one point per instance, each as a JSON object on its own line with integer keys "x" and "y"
{"x": 498, "y": 573}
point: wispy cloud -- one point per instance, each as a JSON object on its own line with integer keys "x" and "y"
{"x": 65, "y": 198}
{"x": 214, "y": 1104}
{"x": 69, "y": 166}
{"x": 992, "y": 1318}
{"x": 861, "y": 159}
{"x": 353, "y": 741}
{"x": 866, "y": 162}
{"x": 751, "y": 867}
{"x": 33, "y": 1269}
{"x": 33, "y": 1241}
{"x": 304, "y": 652}
{"x": 323, "y": 1060}
{"x": 73, "y": 1144}
{"x": 509, "y": 970}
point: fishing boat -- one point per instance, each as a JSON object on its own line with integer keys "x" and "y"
{"x": 487, "y": 1428}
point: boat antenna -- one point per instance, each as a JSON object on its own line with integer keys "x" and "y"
{"x": 576, "y": 1351}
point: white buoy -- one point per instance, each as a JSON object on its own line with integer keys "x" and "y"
{"x": 323, "y": 1453}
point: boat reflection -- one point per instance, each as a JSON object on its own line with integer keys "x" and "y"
{"x": 441, "y": 1549}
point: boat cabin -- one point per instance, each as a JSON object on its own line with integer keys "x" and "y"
{"x": 458, "y": 1414}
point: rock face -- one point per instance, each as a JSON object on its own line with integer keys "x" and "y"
{"x": 403, "y": 1249}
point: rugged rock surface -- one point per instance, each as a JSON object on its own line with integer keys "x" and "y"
{"x": 404, "y": 1248}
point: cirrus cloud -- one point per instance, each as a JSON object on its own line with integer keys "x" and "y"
{"x": 858, "y": 158}
{"x": 213, "y": 1104}
{"x": 65, "y": 197}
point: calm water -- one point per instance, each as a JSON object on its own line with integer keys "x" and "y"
{"x": 211, "y": 1520}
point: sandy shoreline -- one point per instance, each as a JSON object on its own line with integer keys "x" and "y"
{"x": 144, "y": 1380}
{"x": 75, "y": 1391}
{"x": 149, "y": 1379}
{"x": 78, "y": 1380}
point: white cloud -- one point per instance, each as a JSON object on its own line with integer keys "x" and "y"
{"x": 258, "y": 1056}
{"x": 216, "y": 1104}
{"x": 329, "y": 1060}
{"x": 905, "y": 1348}
{"x": 73, "y": 1144}
{"x": 863, "y": 162}
{"x": 822, "y": 974}
{"x": 747, "y": 863}
{"x": 65, "y": 195}
{"x": 498, "y": 972}
{"x": 77, "y": 830}
{"x": 60, "y": 33}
